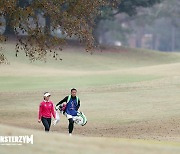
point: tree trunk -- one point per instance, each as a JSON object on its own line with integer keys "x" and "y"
{"x": 95, "y": 33}
{"x": 47, "y": 25}
{"x": 139, "y": 40}
{"x": 9, "y": 28}
{"x": 155, "y": 42}
{"x": 139, "y": 36}
{"x": 173, "y": 38}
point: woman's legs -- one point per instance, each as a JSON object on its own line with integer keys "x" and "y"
{"x": 47, "y": 123}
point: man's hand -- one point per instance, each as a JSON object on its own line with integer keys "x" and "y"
{"x": 78, "y": 113}
{"x": 57, "y": 107}
{"x": 39, "y": 121}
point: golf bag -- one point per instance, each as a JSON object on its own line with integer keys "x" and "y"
{"x": 61, "y": 108}
{"x": 80, "y": 119}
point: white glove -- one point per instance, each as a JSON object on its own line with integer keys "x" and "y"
{"x": 55, "y": 122}
{"x": 57, "y": 107}
{"x": 78, "y": 113}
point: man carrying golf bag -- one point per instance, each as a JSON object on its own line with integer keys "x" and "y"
{"x": 70, "y": 108}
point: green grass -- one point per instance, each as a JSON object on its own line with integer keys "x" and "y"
{"x": 77, "y": 59}
{"x": 26, "y": 83}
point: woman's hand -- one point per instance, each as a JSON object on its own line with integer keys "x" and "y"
{"x": 55, "y": 122}
{"x": 39, "y": 121}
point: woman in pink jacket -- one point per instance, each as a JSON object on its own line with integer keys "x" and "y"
{"x": 46, "y": 109}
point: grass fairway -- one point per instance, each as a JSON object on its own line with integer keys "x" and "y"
{"x": 26, "y": 83}
{"x": 125, "y": 93}
{"x": 61, "y": 143}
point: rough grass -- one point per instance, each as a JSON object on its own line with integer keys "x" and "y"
{"x": 125, "y": 93}
{"x": 60, "y": 143}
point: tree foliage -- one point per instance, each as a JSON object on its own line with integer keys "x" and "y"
{"x": 74, "y": 17}
{"x": 161, "y": 21}
{"x": 129, "y": 7}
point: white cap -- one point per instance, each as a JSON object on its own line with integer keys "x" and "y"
{"x": 47, "y": 94}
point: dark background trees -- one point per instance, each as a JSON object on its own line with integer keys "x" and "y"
{"x": 81, "y": 19}
{"x": 155, "y": 27}
{"x": 129, "y": 7}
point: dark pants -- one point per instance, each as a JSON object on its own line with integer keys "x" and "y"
{"x": 47, "y": 123}
{"x": 71, "y": 125}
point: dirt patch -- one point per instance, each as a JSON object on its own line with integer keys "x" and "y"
{"x": 159, "y": 130}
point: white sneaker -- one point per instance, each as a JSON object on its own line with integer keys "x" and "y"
{"x": 70, "y": 134}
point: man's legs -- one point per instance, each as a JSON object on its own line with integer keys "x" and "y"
{"x": 71, "y": 125}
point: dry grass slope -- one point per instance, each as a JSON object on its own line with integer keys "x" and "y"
{"x": 59, "y": 143}
{"x": 125, "y": 93}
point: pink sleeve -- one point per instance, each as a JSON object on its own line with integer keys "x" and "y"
{"x": 40, "y": 111}
{"x": 53, "y": 112}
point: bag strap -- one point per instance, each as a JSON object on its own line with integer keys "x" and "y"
{"x": 69, "y": 97}
{"x": 77, "y": 99}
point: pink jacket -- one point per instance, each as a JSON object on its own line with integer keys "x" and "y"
{"x": 46, "y": 109}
